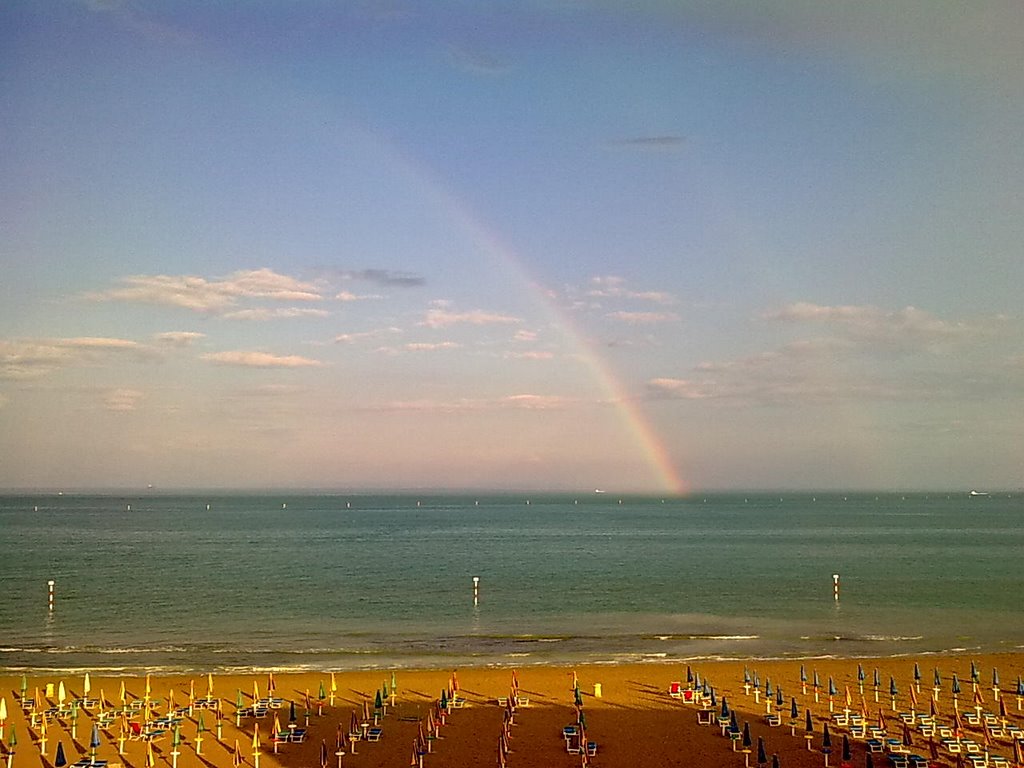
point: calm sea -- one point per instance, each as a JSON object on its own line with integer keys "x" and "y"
{"x": 290, "y": 581}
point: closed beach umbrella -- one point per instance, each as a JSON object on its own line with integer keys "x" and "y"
{"x": 775, "y": 760}
{"x": 868, "y": 761}
{"x": 831, "y": 687}
{"x": 323, "y": 754}
{"x": 762, "y": 756}
{"x": 725, "y": 707}
{"x": 995, "y": 678}
{"x": 908, "y": 740}
{"x": 826, "y": 740}
{"x": 860, "y": 677}
{"x": 847, "y": 756}
{"x": 974, "y": 673}
{"x": 747, "y": 743}
{"x": 236, "y": 756}
{"x": 60, "y": 759}
{"x": 877, "y": 680}
{"x": 917, "y": 674}
{"x": 779, "y": 699}
{"x": 956, "y": 685}
{"x": 808, "y": 723}
{"x": 937, "y": 681}
{"x": 94, "y": 742}
{"x": 378, "y": 702}
{"x": 291, "y": 712}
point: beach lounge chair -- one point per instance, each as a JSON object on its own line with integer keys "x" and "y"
{"x": 773, "y": 719}
{"x": 977, "y": 761}
{"x": 875, "y": 745}
{"x": 591, "y": 748}
{"x": 917, "y": 761}
{"x": 297, "y": 735}
{"x": 952, "y": 746}
{"x": 675, "y": 690}
{"x": 503, "y": 701}
{"x": 897, "y": 760}
{"x": 705, "y": 717}
{"x": 998, "y": 761}
{"x": 972, "y": 747}
{"x": 522, "y": 701}
{"x": 858, "y": 731}
{"x": 374, "y": 734}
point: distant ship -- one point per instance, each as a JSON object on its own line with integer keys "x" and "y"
{"x": 978, "y": 493}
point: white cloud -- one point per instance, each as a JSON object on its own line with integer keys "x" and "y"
{"x": 179, "y": 338}
{"x": 441, "y": 318}
{"x": 210, "y": 295}
{"x": 526, "y": 402}
{"x": 422, "y": 346}
{"x": 614, "y": 287}
{"x": 122, "y": 400}
{"x": 644, "y": 318}
{"x": 348, "y": 296}
{"x": 907, "y": 326}
{"x": 275, "y": 313}
{"x": 533, "y": 355}
{"x": 26, "y": 359}
{"x": 251, "y": 359}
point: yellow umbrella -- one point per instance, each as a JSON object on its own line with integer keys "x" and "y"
{"x": 61, "y": 693}
{"x": 150, "y": 759}
{"x": 120, "y": 693}
{"x": 209, "y": 685}
{"x": 255, "y": 692}
{"x": 86, "y": 686}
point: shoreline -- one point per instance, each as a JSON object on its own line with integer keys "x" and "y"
{"x": 629, "y": 713}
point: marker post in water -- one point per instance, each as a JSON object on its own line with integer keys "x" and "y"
{"x": 835, "y": 587}
{"x": 49, "y": 600}
{"x": 476, "y": 591}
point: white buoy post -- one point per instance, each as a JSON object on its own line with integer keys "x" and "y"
{"x": 835, "y": 586}
{"x": 476, "y": 590}
{"x": 49, "y": 587}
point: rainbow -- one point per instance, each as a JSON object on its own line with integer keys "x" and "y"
{"x": 664, "y": 474}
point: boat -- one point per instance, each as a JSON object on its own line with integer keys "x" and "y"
{"x": 978, "y": 493}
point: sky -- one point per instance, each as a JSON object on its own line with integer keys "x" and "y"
{"x": 659, "y": 247}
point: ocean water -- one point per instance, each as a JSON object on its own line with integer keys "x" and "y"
{"x": 289, "y": 581}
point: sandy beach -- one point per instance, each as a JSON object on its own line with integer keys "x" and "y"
{"x": 628, "y": 712}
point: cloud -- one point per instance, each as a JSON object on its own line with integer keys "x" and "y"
{"x": 524, "y": 402}
{"x": 664, "y": 142}
{"x": 613, "y": 287}
{"x": 179, "y": 338}
{"x": 442, "y": 318}
{"x": 644, "y": 318}
{"x": 200, "y": 294}
{"x": 385, "y": 277}
{"x": 421, "y": 346}
{"x": 907, "y": 326}
{"x": 33, "y": 358}
{"x": 477, "y": 61}
{"x": 351, "y": 338}
{"x": 348, "y": 296}
{"x": 122, "y": 400}
{"x": 534, "y": 355}
{"x": 251, "y": 359}
{"x": 275, "y": 313}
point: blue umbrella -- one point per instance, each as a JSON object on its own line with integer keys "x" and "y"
{"x": 1020, "y": 686}
{"x": 725, "y": 707}
{"x": 956, "y": 684}
{"x": 974, "y": 673}
{"x": 762, "y": 757}
{"x": 878, "y": 681}
{"x": 892, "y": 687}
{"x": 94, "y": 742}
{"x": 831, "y": 687}
{"x": 60, "y": 760}
{"x": 917, "y": 674}
{"x": 817, "y": 683}
{"x": 767, "y": 688}
{"x": 938, "y": 679}
{"x": 734, "y": 726}
{"x": 826, "y": 740}
{"x": 995, "y": 677}
{"x": 779, "y": 700}
{"x": 860, "y": 673}
{"x": 746, "y": 676}
{"x": 747, "y": 743}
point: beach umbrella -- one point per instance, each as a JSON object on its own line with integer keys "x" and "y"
{"x": 955, "y": 687}
{"x": 323, "y": 754}
{"x": 1020, "y": 691}
{"x": 908, "y": 740}
{"x": 779, "y": 699}
{"x": 1018, "y": 752}
{"x": 94, "y": 742}
{"x": 61, "y": 693}
{"x": 320, "y": 697}
{"x": 803, "y": 679}
{"x": 60, "y": 759}
{"x": 974, "y": 673}
{"x": 24, "y": 686}
{"x": 826, "y": 739}
{"x": 747, "y": 742}
{"x": 714, "y": 700}
{"x": 151, "y": 758}
{"x": 689, "y": 675}
{"x": 394, "y": 688}
{"x": 794, "y": 715}
{"x": 725, "y": 708}
{"x": 762, "y": 757}
{"x": 847, "y": 756}
{"x": 775, "y": 760}
{"x": 378, "y": 702}
{"x": 995, "y": 682}
{"x": 860, "y": 678}
{"x": 892, "y": 691}
{"x": 868, "y": 761}
{"x": 917, "y": 677}
{"x": 292, "y": 719}
{"x": 236, "y": 756}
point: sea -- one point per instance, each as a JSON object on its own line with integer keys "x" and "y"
{"x": 287, "y": 581}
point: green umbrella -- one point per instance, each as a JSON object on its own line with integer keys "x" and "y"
{"x": 200, "y": 725}
{"x": 377, "y": 702}
{"x": 321, "y": 694}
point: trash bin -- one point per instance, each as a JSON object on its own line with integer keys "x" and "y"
{"x": 597, "y": 690}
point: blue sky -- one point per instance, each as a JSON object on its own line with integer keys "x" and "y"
{"x": 544, "y": 245}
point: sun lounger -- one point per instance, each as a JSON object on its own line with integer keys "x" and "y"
{"x": 952, "y": 746}
{"x": 858, "y": 731}
{"x": 503, "y": 701}
{"x": 926, "y": 729}
{"x": 977, "y": 761}
{"x": 705, "y": 717}
{"x": 675, "y": 690}
{"x": 897, "y": 760}
{"x": 374, "y": 734}
{"x": 895, "y": 745}
{"x": 998, "y": 761}
{"x": 972, "y": 747}
{"x": 917, "y": 761}
{"x": 875, "y": 732}
{"x": 522, "y": 701}
{"x": 773, "y": 719}
{"x": 591, "y": 748}
{"x": 875, "y": 745}
{"x": 841, "y": 718}
{"x": 972, "y": 718}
